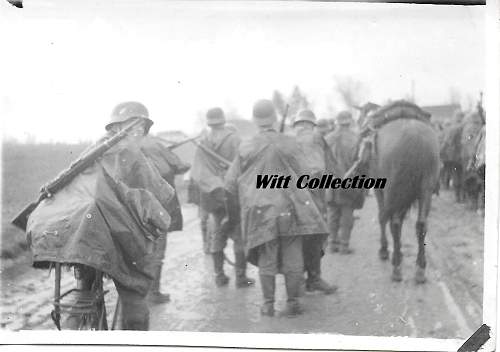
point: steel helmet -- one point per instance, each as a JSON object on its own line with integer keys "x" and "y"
{"x": 215, "y": 116}
{"x": 129, "y": 110}
{"x": 264, "y": 113}
{"x": 306, "y": 115}
{"x": 344, "y": 118}
{"x": 322, "y": 123}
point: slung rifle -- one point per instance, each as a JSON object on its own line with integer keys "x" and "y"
{"x": 76, "y": 167}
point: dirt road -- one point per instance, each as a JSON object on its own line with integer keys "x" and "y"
{"x": 367, "y": 303}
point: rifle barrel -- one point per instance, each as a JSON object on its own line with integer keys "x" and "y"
{"x": 213, "y": 154}
{"x": 187, "y": 140}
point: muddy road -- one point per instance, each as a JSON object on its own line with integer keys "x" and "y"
{"x": 367, "y": 302}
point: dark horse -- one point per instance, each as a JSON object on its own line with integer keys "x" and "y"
{"x": 405, "y": 150}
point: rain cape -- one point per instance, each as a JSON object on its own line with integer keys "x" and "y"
{"x": 108, "y": 218}
{"x": 168, "y": 164}
{"x": 344, "y": 144}
{"x": 208, "y": 172}
{"x": 268, "y": 213}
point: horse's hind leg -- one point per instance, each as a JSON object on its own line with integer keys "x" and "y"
{"x": 383, "y": 252}
{"x": 424, "y": 205}
{"x": 397, "y": 256}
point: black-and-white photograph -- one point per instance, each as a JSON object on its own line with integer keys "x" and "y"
{"x": 280, "y": 168}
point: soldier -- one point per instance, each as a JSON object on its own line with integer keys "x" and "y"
{"x": 208, "y": 173}
{"x": 319, "y": 162}
{"x": 342, "y": 202}
{"x": 194, "y": 198}
{"x": 168, "y": 165}
{"x": 274, "y": 220}
{"x": 331, "y": 125}
{"x": 323, "y": 127}
{"x": 451, "y": 151}
{"x": 112, "y": 214}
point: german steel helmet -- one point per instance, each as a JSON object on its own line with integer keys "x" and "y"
{"x": 344, "y": 118}
{"x": 305, "y": 115}
{"x": 129, "y": 110}
{"x": 264, "y": 113}
{"x": 323, "y": 123}
{"x": 215, "y": 116}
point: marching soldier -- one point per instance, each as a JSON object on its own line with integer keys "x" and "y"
{"x": 168, "y": 164}
{"x": 107, "y": 219}
{"x": 208, "y": 173}
{"x": 451, "y": 152}
{"x": 323, "y": 127}
{"x": 319, "y": 162}
{"x": 343, "y": 143}
{"x": 194, "y": 198}
{"x": 274, "y": 220}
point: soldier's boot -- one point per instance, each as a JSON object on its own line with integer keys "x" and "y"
{"x": 345, "y": 236}
{"x": 155, "y": 295}
{"x": 268, "y": 283}
{"x": 204, "y": 235}
{"x": 334, "y": 246}
{"x": 315, "y": 282}
{"x": 345, "y": 249}
{"x": 240, "y": 267}
{"x": 293, "y": 283}
{"x": 220, "y": 278}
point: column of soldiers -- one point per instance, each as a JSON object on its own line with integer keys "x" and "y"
{"x": 278, "y": 230}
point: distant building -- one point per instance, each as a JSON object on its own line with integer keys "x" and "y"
{"x": 441, "y": 113}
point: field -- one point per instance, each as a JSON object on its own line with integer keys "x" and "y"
{"x": 25, "y": 168}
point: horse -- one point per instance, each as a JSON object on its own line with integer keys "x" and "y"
{"x": 404, "y": 150}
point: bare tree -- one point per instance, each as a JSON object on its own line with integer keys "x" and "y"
{"x": 298, "y": 101}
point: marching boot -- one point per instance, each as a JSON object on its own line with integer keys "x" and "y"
{"x": 316, "y": 283}
{"x": 345, "y": 234}
{"x": 240, "y": 267}
{"x": 293, "y": 284}
{"x": 333, "y": 246}
{"x": 344, "y": 249}
{"x": 155, "y": 296}
{"x": 268, "y": 283}
{"x": 220, "y": 278}
{"x": 204, "y": 237}
{"x": 314, "y": 280}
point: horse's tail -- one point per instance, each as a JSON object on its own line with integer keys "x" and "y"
{"x": 401, "y": 191}
{"x": 410, "y": 170}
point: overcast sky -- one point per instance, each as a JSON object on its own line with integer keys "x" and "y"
{"x": 65, "y": 64}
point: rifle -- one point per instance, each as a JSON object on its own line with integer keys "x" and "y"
{"x": 76, "y": 167}
{"x": 223, "y": 162}
{"x": 178, "y": 144}
{"x": 365, "y": 143}
{"x": 283, "y": 119}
